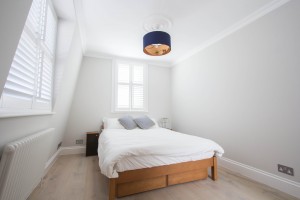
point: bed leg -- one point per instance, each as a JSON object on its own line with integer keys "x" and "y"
{"x": 112, "y": 189}
{"x": 214, "y": 169}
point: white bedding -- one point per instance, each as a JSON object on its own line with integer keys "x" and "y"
{"x": 120, "y": 149}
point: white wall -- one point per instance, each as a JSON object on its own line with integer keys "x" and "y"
{"x": 92, "y": 98}
{"x": 70, "y": 67}
{"x": 244, "y": 92}
{"x": 68, "y": 64}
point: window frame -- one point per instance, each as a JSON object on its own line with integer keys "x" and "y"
{"x": 115, "y": 83}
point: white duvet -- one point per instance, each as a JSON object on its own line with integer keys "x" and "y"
{"x": 127, "y": 146}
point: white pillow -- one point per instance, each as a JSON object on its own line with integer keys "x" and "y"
{"x": 155, "y": 123}
{"x": 112, "y": 123}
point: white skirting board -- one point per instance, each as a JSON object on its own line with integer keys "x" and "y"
{"x": 72, "y": 150}
{"x": 63, "y": 151}
{"x": 51, "y": 161}
{"x": 272, "y": 180}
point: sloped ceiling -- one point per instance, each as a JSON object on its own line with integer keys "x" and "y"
{"x": 114, "y": 28}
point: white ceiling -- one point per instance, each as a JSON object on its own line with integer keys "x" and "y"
{"x": 114, "y": 28}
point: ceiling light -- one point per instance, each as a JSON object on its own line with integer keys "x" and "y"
{"x": 157, "y": 43}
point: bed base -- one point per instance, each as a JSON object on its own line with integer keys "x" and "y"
{"x": 141, "y": 180}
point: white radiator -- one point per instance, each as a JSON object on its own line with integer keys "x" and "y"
{"x": 22, "y": 165}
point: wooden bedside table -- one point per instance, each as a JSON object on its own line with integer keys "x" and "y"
{"x": 92, "y": 143}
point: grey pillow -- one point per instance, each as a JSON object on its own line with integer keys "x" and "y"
{"x": 144, "y": 122}
{"x": 127, "y": 122}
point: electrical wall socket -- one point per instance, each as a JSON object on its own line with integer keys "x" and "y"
{"x": 79, "y": 141}
{"x": 286, "y": 170}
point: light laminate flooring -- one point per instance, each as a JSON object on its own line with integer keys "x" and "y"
{"x": 76, "y": 177}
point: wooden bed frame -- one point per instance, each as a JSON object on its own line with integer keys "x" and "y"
{"x": 141, "y": 180}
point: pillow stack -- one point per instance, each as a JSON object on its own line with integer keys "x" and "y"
{"x": 143, "y": 122}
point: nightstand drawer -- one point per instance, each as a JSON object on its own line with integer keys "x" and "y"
{"x": 92, "y": 138}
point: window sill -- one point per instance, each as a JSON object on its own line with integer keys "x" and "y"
{"x": 24, "y": 114}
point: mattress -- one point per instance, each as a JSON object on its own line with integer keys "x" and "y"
{"x": 140, "y": 162}
{"x": 121, "y": 150}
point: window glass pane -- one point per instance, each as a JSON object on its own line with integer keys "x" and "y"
{"x": 137, "y": 97}
{"x": 123, "y": 73}
{"x": 123, "y": 96}
{"x": 138, "y": 74}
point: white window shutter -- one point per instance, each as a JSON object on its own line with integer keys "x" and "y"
{"x": 138, "y": 74}
{"x": 137, "y": 87}
{"x": 137, "y": 97}
{"x": 45, "y": 86}
{"x": 130, "y": 87}
{"x": 29, "y": 82}
{"x": 123, "y": 97}
{"x": 123, "y": 73}
{"x": 33, "y": 22}
{"x": 21, "y": 77}
{"x": 50, "y": 33}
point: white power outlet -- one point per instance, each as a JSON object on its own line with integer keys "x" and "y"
{"x": 79, "y": 141}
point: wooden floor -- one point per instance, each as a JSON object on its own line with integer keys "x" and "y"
{"x": 76, "y": 177}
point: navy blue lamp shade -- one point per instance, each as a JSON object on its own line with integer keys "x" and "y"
{"x": 157, "y": 43}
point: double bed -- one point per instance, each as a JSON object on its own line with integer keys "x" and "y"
{"x": 141, "y": 160}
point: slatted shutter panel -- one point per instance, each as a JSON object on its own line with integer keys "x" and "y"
{"x": 130, "y": 87}
{"x": 137, "y": 87}
{"x": 29, "y": 82}
{"x": 123, "y": 87}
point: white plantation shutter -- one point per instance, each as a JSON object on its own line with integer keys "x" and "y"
{"x": 123, "y": 73}
{"x": 137, "y": 97}
{"x": 123, "y": 87}
{"x": 123, "y": 97}
{"x": 50, "y": 32}
{"x": 33, "y": 21}
{"x": 130, "y": 83}
{"x": 29, "y": 82}
{"x": 138, "y": 74}
{"x": 45, "y": 80}
{"x": 137, "y": 87}
{"x": 21, "y": 79}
